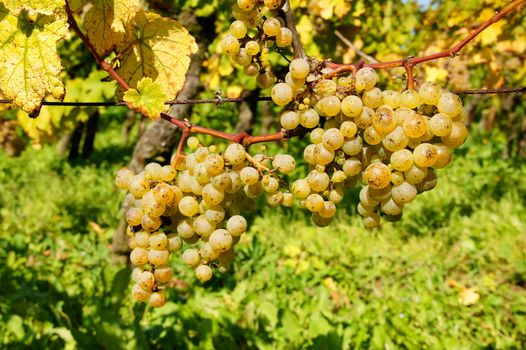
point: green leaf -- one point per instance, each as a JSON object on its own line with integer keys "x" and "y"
{"x": 106, "y": 23}
{"x": 159, "y": 48}
{"x": 29, "y": 63}
{"x": 148, "y": 99}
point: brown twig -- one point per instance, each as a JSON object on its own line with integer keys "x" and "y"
{"x": 297, "y": 46}
{"x": 410, "y": 62}
{"x": 353, "y": 47}
{"x": 100, "y": 61}
{"x": 491, "y": 91}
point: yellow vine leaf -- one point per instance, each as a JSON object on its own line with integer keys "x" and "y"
{"x": 33, "y": 7}
{"x": 148, "y": 99}
{"x": 29, "y": 63}
{"x": 106, "y": 23}
{"x": 159, "y": 48}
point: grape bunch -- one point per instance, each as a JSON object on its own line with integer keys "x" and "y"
{"x": 391, "y": 142}
{"x": 252, "y": 34}
{"x": 196, "y": 209}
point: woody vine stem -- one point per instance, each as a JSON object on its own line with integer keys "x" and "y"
{"x": 246, "y": 139}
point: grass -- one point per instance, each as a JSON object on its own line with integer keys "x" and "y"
{"x": 293, "y": 285}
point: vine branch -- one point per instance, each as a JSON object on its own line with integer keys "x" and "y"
{"x": 297, "y": 46}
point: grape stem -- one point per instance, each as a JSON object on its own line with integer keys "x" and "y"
{"x": 409, "y": 62}
{"x": 260, "y": 167}
{"x": 297, "y": 46}
{"x": 100, "y": 61}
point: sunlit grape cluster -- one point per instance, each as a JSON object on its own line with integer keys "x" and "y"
{"x": 389, "y": 141}
{"x": 255, "y": 29}
{"x": 195, "y": 209}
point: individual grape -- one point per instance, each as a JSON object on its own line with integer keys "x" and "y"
{"x": 163, "y": 274}
{"x": 284, "y": 163}
{"x": 271, "y": 27}
{"x": 371, "y": 221}
{"x": 397, "y": 178}
{"x": 185, "y": 228}
{"x": 136, "y": 273}
{"x": 140, "y": 294}
{"x": 415, "y": 126}
{"x": 214, "y": 164}
{"x": 396, "y": 140}
{"x": 168, "y": 173}
{"x": 142, "y": 239}
{"x": 163, "y": 193}
{"x": 150, "y": 223}
{"x": 314, "y": 203}
{"x": 242, "y": 57}
{"x": 351, "y": 106}
{"x": 318, "y": 181}
{"x": 266, "y": 79}
{"x": 211, "y": 195}
{"x": 328, "y": 106}
{"x": 403, "y": 193}
{"x": 336, "y": 194}
{"x": 410, "y": 99}
{"x": 429, "y": 182}
{"x": 251, "y": 70}
{"x": 203, "y": 273}
{"x": 320, "y": 221}
{"x": 444, "y": 156}
{"x": 158, "y": 241}
{"x": 338, "y": 176}
{"x": 366, "y": 78}
{"x": 158, "y": 299}
{"x": 249, "y": 175}
{"x": 253, "y": 191}
{"x": 230, "y": 45}
{"x": 297, "y": 85}
{"x": 272, "y": 4}
{"x": 274, "y": 199}
{"x": 348, "y": 129}
{"x": 288, "y": 199}
{"x": 372, "y": 98}
{"x": 246, "y": 5}
{"x": 191, "y": 257}
{"x": 236, "y": 225}
{"x": 384, "y": 120}
{"x": 132, "y": 244}
{"x": 390, "y": 207}
{"x": 139, "y": 256}
{"x": 202, "y": 226}
{"x": 134, "y": 216}
{"x": 352, "y": 167}
{"x": 377, "y": 175}
{"x": 309, "y": 154}
{"x": 322, "y": 155}
{"x": 328, "y": 211}
{"x": 238, "y": 29}
{"x": 381, "y": 194}
{"x": 416, "y": 174}
{"x": 138, "y": 186}
{"x": 449, "y": 104}
{"x": 188, "y": 206}
{"x": 325, "y": 88}
{"x": 123, "y": 178}
{"x": 353, "y": 146}
{"x": 299, "y": 68}
{"x": 316, "y": 135}
{"x": 332, "y": 139}
{"x": 365, "y": 119}
{"x": 364, "y": 210}
{"x": 457, "y": 137}
{"x": 270, "y": 183}
{"x": 158, "y": 257}
{"x": 309, "y": 118}
{"x": 284, "y": 38}
{"x": 300, "y": 188}
{"x": 430, "y": 93}
{"x": 391, "y": 98}
{"x": 235, "y": 153}
{"x": 174, "y": 242}
{"x": 290, "y": 120}
{"x": 282, "y": 94}
{"x": 220, "y": 240}
{"x": 425, "y": 155}
{"x": 146, "y": 281}
{"x": 152, "y": 171}
{"x": 235, "y": 183}
{"x": 440, "y": 124}
{"x": 372, "y": 136}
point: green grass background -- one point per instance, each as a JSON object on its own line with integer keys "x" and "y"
{"x": 293, "y": 285}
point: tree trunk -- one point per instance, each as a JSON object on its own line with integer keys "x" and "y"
{"x": 160, "y": 138}
{"x": 91, "y": 131}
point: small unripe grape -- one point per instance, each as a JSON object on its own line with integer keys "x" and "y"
{"x": 403, "y": 193}
{"x": 299, "y": 68}
{"x": 230, "y": 45}
{"x": 351, "y": 106}
{"x": 373, "y": 98}
{"x": 158, "y": 299}
{"x": 410, "y": 99}
{"x": 314, "y": 203}
{"x": 271, "y": 27}
{"x": 457, "y": 137}
{"x": 366, "y": 78}
{"x": 309, "y": 118}
{"x": 430, "y": 93}
{"x": 449, "y": 104}
{"x": 220, "y": 240}
{"x": 425, "y": 155}
{"x": 235, "y": 153}
{"x": 139, "y": 256}
{"x": 140, "y": 294}
{"x": 377, "y": 175}
{"x": 191, "y": 257}
{"x": 415, "y": 126}
{"x": 188, "y": 206}
{"x": 284, "y": 163}
{"x": 284, "y": 38}
{"x": 203, "y": 273}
